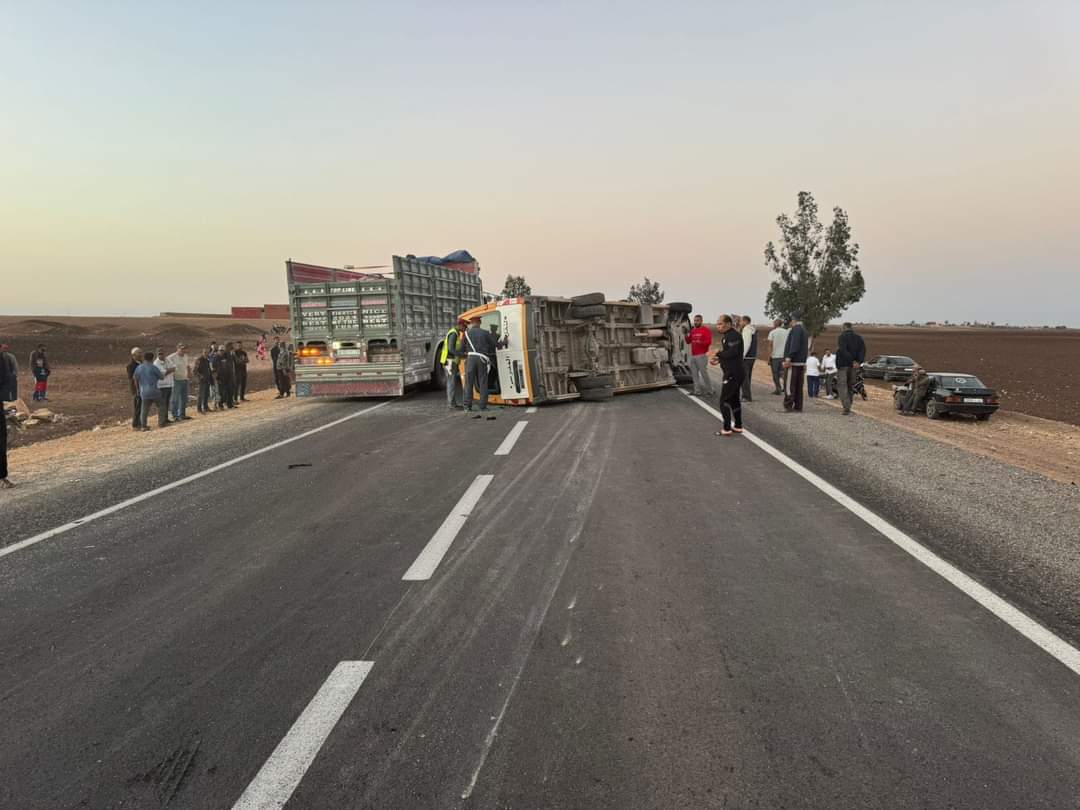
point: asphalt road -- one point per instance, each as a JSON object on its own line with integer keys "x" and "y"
{"x": 636, "y": 614}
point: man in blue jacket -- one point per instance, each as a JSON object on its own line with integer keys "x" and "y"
{"x": 795, "y": 351}
{"x": 850, "y": 354}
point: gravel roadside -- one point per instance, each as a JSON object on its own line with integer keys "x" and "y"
{"x": 1014, "y": 530}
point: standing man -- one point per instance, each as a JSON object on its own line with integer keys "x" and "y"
{"x": 241, "y": 370}
{"x": 749, "y": 339}
{"x": 451, "y": 361}
{"x": 700, "y": 339}
{"x": 165, "y": 383}
{"x": 479, "y": 347}
{"x": 10, "y": 391}
{"x": 274, "y": 352}
{"x": 39, "y": 367}
{"x": 205, "y": 375}
{"x": 6, "y": 383}
{"x": 226, "y": 377}
{"x": 147, "y": 376}
{"x": 286, "y": 363}
{"x": 180, "y": 365}
{"x": 730, "y": 359}
{"x": 133, "y": 384}
{"x": 796, "y": 347}
{"x": 850, "y": 355}
{"x": 777, "y": 339}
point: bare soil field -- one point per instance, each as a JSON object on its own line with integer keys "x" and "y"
{"x": 88, "y": 356}
{"x": 1036, "y": 371}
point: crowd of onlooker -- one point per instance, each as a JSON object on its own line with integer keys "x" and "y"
{"x": 217, "y": 377}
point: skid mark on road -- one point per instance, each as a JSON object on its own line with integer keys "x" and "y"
{"x": 1011, "y": 615}
{"x": 527, "y": 640}
{"x": 573, "y": 440}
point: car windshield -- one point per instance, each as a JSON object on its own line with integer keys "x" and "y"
{"x": 958, "y": 381}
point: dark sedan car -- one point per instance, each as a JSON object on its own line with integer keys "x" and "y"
{"x": 889, "y": 367}
{"x": 952, "y": 393}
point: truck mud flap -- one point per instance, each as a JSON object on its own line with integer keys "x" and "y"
{"x": 366, "y": 388}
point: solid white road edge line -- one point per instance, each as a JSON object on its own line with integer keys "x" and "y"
{"x": 37, "y": 538}
{"x": 512, "y": 437}
{"x": 1056, "y": 646}
{"x": 439, "y": 544}
{"x": 282, "y": 772}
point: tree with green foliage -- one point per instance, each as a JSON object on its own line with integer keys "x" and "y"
{"x": 514, "y": 287}
{"x": 647, "y": 292}
{"x": 817, "y": 268}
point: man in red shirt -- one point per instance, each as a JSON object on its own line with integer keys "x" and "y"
{"x": 700, "y": 339}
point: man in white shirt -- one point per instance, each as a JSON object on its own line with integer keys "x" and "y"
{"x": 828, "y": 372}
{"x": 180, "y": 364}
{"x": 164, "y": 384}
{"x": 777, "y": 338}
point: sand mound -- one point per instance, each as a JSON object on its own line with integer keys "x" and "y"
{"x": 37, "y": 326}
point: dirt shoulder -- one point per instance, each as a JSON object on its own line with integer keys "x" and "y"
{"x": 1042, "y": 446}
{"x": 45, "y": 465}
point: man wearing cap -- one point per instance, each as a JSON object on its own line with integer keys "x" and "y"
{"x": 450, "y": 358}
{"x": 479, "y": 348}
{"x": 136, "y": 400}
{"x": 165, "y": 385}
{"x": 180, "y": 364}
{"x": 796, "y": 349}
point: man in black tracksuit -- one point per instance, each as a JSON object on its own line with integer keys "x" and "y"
{"x": 730, "y": 358}
{"x": 226, "y": 377}
{"x": 795, "y": 351}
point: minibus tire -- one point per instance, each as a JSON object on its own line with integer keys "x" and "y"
{"x": 590, "y": 311}
{"x": 595, "y": 381}
{"x": 587, "y": 300}
{"x": 597, "y": 394}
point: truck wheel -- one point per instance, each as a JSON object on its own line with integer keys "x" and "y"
{"x": 438, "y": 374}
{"x": 587, "y": 300}
{"x": 680, "y": 308}
{"x": 597, "y": 394}
{"x": 595, "y": 381}
{"x": 590, "y": 311}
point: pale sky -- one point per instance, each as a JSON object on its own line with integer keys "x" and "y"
{"x": 171, "y": 156}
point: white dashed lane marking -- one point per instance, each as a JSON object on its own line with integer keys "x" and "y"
{"x": 511, "y": 438}
{"x": 282, "y": 772}
{"x": 439, "y": 544}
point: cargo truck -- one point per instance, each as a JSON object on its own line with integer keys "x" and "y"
{"x": 359, "y": 334}
{"x": 584, "y": 347}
